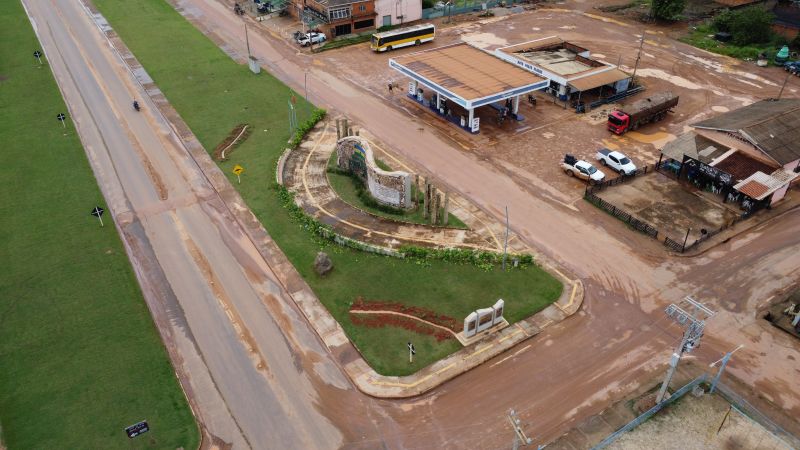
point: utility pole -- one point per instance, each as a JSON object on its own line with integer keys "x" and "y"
{"x": 786, "y": 80}
{"x": 691, "y": 335}
{"x": 638, "y": 57}
{"x": 519, "y": 434}
{"x": 505, "y": 245}
{"x": 724, "y": 361}
{"x": 247, "y": 41}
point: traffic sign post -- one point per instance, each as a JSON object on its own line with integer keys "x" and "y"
{"x": 411, "y": 352}
{"x": 98, "y": 212}
{"x": 38, "y": 55}
{"x": 62, "y": 117}
{"x": 237, "y": 169}
{"x": 137, "y": 429}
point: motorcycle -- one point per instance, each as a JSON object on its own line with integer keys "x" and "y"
{"x": 136, "y": 106}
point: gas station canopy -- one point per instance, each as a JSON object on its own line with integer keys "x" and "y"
{"x": 466, "y": 75}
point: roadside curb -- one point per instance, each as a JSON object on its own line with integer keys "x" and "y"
{"x": 327, "y": 328}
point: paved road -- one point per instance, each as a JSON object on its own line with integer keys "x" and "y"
{"x": 257, "y": 385}
{"x": 257, "y": 382}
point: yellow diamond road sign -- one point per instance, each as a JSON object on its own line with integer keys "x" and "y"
{"x": 237, "y": 169}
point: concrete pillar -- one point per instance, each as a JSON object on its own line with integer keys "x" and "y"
{"x": 516, "y": 105}
{"x": 471, "y": 115}
{"x": 445, "y": 212}
{"x": 436, "y": 209}
{"x": 425, "y": 200}
{"x": 416, "y": 189}
{"x": 414, "y": 87}
{"x": 338, "y": 129}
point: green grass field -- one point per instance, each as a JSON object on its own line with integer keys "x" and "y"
{"x": 80, "y": 358}
{"x": 232, "y": 95}
{"x": 346, "y": 187}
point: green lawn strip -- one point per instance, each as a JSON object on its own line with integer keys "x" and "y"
{"x": 80, "y": 358}
{"x": 700, "y": 39}
{"x": 347, "y": 187}
{"x": 450, "y": 289}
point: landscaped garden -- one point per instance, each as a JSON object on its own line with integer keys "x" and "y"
{"x": 352, "y": 190}
{"x": 452, "y": 283}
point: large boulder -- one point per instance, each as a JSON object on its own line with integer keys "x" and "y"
{"x": 323, "y": 264}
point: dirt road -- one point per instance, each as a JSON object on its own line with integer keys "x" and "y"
{"x": 260, "y": 385}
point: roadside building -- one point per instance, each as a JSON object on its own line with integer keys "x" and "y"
{"x": 336, "y": 17}
{"x": 749, "y": 156}
{"x": 397, "y": 12}
{"x": 570, "y": 69}
{"x": 457, "y": 79}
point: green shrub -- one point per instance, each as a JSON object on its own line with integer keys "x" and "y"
{"x": 426, "y": 4}
{"x": 667, "y": 9}
{"x": 751, "y": 25}
{"x": 307, "y": 126}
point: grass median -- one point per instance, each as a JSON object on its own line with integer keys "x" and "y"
{"x": 232, "y": 95}
{"x": 80, "y": 358}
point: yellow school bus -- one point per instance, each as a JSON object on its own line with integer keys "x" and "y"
{"x": 403, "y": 37}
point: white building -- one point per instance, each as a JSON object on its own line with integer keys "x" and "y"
{"x": 397, "y": 12}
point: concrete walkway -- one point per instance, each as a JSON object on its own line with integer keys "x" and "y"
{"x": 305, "y": 174}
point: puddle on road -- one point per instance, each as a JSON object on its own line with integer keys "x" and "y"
{"x": 567, "y": 27}
{"x": 657, "y": 139}
{"x": 674, "y": 79}
{"x": 598, "y": 56}
{"x": 720, "y": 109}
{"x": 484, "y": 40}
{"x": 610, "y": 145}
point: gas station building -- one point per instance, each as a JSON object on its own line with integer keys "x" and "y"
{"x": 569, "y": 68}
{"x": 460, "y": 78}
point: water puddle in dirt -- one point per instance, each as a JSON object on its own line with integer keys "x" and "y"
{"x": 657, "y": 139}
{"x": 536, "y": 29}
{"x": 610, "y": 145}
{"x": 567, "y": 27}
{"x": 598, "y": 56}
{"x": 607, "y": 20}
{"x": 674, "y": 79}
{"x": 720, "y": 109}
{"x": 483, "y": 40}
{"x": 720, "y": 67}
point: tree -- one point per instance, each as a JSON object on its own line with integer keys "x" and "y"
{"x": 750, "y": 25}
{"x": 667, "y": 9}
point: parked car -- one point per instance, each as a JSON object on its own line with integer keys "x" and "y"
{"x": 575, "y": 167}
{"x": 793, "y": 67}
{"x": 617, "y": 161}
{"x": 312, "y": 38}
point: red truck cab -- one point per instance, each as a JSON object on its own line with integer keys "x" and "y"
{"x": 618, "y": 122}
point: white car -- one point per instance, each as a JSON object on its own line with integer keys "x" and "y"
{"x": 311, "y": 38}
{"x": 582, "y": 169}
{"x": 616, "y": 161}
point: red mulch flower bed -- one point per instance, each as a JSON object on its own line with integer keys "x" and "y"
{"x": 422, "y": 313}
{"x": 388, "y": 320}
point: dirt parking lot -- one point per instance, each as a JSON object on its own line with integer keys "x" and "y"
{"x": 669, "y": 206}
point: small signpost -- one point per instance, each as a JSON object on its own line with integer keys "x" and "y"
{"x": 38, "y": 55}
{"x": 98, "y": 212}
{"x": 62, "y": 117}
{"x": 137, "y": 429}
{"x": 411, "y": 352}
{"x": 237, "y": 169}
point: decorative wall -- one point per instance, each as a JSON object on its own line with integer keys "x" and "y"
{"x": 354, "y": 154}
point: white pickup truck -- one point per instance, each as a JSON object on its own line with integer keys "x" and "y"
{"x": 579, "y": 168}
{"x": 616, "y": 160}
